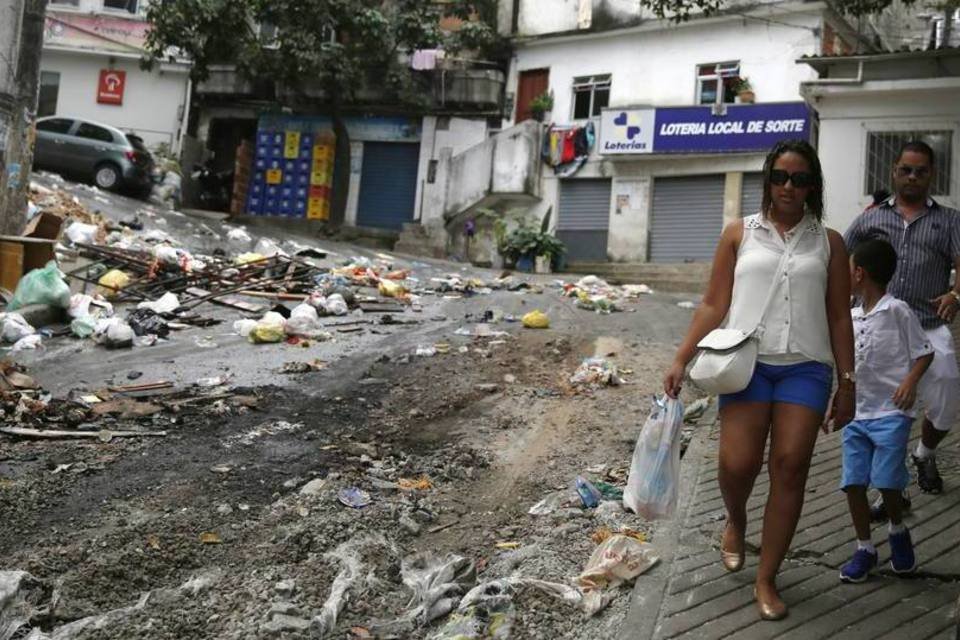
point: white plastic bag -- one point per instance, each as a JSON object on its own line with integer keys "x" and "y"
{"x": 13, "y": 327}
{"x": 81, "y": 233}
{"x": 654, "y": 479}
{"x": 166, "y": 303}
{"x": 244, "y": 327}
{"x": 114, "y": 333}
{"x": 335, "y": 305}
{"x": 305, "y": 322}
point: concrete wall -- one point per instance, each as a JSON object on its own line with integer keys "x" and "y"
{"x": 460, "y": 135}
{"x": 516, "y": 161}
{"x": 848, "y": 114}
{"x": 659, "y": 68}
{"x": 153, "y": 102}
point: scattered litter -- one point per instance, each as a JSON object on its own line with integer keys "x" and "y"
{"x": 596, "y": 372}
{"x": 426, "y": 352}
{"x": 113, "y": 333}
{"x": 422, "y": 483}
{"x": 555, "y": 501}
{"x": 80, "y": 233}
{"x": 270, "y": 328}
{"x": 214, "y": 381}
{"x": 696, "y": 409}
{"x": 354, "y": 497}
{"x": 112, "y": 282}
{"x": 26, "y": 342}
{"x": 14, "y": 327}
{"x": 302, "y": 367}
{"x": 210, "y": 537}
{"x": 244, "y": 327}
{"x": 589, "y": 494}
{"x": 536, "y": 319}
{"x": 687, "y": 304}
{"x": 167, "y": 303}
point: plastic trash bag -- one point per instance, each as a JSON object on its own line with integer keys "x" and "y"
{"x": 113, "y": 333}
{"x": 244, "y": 327}
{"x": 26, "y": 342}
{"x": 616, "y": 560}
{"x": 166, "y": 303}
{"x": 82, "y": 233}
{"x": 41, "y": 286}
{"x": 83, "y": 327}
{"x": 536, "y": 319}
{"x": 652, "y": 486}
{"x": 270, "y": 328}
{"x": 13, "y": 327}
{"x": 305, "y": 322}
{"x": 112, "y": 282}
{"x": 335, "y": 305}
{"x": 239, "y": 238}
{"x": 391, "y": 289}
{"x": 146, "y": 322}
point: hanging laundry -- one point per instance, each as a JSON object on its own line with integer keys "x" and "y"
{"x": 569, "y": 151}
{"x": 426, "y": 59}
{"x": 556, "y": 147}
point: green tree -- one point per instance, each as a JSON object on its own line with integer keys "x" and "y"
{"x": 326, "y": 55}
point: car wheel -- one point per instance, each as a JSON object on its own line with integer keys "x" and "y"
{"x": 107, "y": 176}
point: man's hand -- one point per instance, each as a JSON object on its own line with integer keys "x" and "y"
{"x": 841, "y": 408}
{"x": 905, "y": 395}
{"x": 946, "y": 306}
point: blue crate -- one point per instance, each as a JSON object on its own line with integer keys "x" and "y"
{"x": 260, "y": 163}
{"x": 263, "y": 151}
{"x": 272, "y": 191}
{"x": 305, "y": 165}
{"x": 276, "y": 152}
{"x": 306, "y": 140}
{"x": 303, "y": 180}
{"x": 275, "y": 163}
{"x": 257, "y": 188}
{"x": 286, "y": 192}
{"x": 289, "y": 166}
{"x": 289, "y": 178}
{"x": 271, "y": 206}
{"x": 301, "y": 192}
{"x": 259, "y": 176}
{"x": 254, "y": 205}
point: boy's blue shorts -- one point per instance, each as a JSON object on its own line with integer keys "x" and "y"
{"x": 806, "y": 383}
{"x": 875, "y": 453}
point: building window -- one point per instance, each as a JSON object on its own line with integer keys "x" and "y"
{"x": 590, "y": 95}
{"x": 49, "y": 89}
{"x": 715, "y": 82}
{"x": 67, "y": 3}
{"x": 882, "y": 148}
{"x": 129, "y": 6}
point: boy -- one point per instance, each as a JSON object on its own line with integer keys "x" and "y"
{"x": 892, "y": 353}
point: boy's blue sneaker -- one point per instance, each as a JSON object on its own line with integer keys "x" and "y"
{"x": 859, "y": 566}
{"x": 902, "y": 558}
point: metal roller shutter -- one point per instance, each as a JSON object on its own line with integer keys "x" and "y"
{"x": 687, "y": 218}
{"x": 751, "y": 194}
{"x": 388, "y": 184}
{"x": 583, "y": 219}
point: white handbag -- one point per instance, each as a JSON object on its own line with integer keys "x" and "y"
{"x": 728, "y": 357}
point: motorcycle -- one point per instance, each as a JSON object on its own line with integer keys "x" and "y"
{"x": 214, "y": 187}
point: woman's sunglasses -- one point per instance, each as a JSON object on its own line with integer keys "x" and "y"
{"x": 800, "y": 179}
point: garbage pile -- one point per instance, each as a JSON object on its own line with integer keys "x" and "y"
{"x": 595, "y": 294}
{"x": 123, "y": 411}
{"x": 596, "y": 372}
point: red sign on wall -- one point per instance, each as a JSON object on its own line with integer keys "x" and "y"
{"x": 110, "y": 89}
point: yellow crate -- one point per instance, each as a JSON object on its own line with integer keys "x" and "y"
{"x": 292, "y": 139}
{"x": 320, "y": 178}
{"x": 321, "y": 164}
{"x": 318, "y": 209}
{"x": 323, "y": 153}
{"x": 274, "y": 176}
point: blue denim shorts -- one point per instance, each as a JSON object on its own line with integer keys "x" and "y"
{"x": 806, "y": 383}
{"x": 875, "y": 453}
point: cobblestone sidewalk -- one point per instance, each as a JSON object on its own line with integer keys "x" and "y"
{"x": 691, "y": 596}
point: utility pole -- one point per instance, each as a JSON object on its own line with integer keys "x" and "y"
{"x": 21, "y": 43}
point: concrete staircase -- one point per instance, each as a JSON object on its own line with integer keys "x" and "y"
{"x": 414, "y": 240}
{"x": 685, "y": 278}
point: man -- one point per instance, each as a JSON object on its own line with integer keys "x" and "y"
{"x": 926, "y": 236}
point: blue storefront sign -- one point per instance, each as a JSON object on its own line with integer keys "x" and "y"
{"x": 745, "y": 127}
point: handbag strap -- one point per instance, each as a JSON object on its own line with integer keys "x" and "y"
{"x": 788, "y": 250}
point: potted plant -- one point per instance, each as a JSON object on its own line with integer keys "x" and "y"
{"x": 532, "y": 250}
{"x": 541, "y": 106}
{"x": 744, "y": 90}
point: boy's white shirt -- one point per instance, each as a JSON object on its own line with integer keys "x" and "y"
{"x": 887, "y": 341}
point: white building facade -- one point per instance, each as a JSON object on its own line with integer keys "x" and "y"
{"x": 676, "y": 153}
{"x": 90, "y": 69}
{"x": 869, "y": 106}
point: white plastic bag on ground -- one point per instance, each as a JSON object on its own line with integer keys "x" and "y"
{"x": 13, "y": 327}
{"x": 81, "y": 233}
{"x": 244, "y": 327}
{"x": 616, "y": 560}
{"x": 305, "y": 322}
{"x": 164, "y": 304}
{"x": 270, "y": 328}
{"x": 654, "y": 479}
{"x": 239, "y": 238}
{"x": 268, "y": 248}
{"x": 114, "y": 333}
{"x": 26, "y": 342}
{"x": 335, "y": 305}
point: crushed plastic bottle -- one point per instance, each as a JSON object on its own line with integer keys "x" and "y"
{"x": 589, "y": 494}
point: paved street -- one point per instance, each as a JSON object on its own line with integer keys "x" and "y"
{"x": 692, "y": 596}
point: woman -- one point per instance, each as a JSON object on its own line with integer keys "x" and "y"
{"x": 807, "y": 329}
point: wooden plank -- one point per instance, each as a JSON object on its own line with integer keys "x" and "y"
{"x": 225, "y": 301}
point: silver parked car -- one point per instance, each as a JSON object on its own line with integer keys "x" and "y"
{"x": 96, "y": 152}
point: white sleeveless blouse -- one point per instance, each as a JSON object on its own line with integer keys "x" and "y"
{"x": 796, "y": 327}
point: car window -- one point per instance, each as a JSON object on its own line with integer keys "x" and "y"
{"x": 93, "y": 132}
{"x": 137, "y": 142}
{"x": 55, "y": 125}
